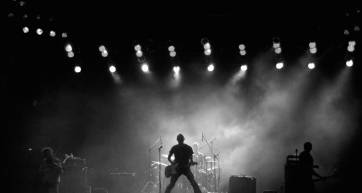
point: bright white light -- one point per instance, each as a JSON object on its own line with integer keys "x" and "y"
{"x": 176, "y": 70}
{"x": 52, "y": 33}
{"x": 278, "y": 50}
{"x": 101, "y": 48}
{"x": 64, "y": 35}
{"x": 244, "y": 67}
{"x": 104, "y": 53}
{"x": 313, "y": 50}
{"x": 279, "y": 65}
{"x": 312, "y": 45}
{"x": 350, "y": 48}
{"x": 145, "y": 68}
{"x": 139, "y": 53}
{"x": 171, "y": 48}
{"x": 25, "y": 30}
{"x": 276, "y": 45}
{"x": 39, "y": 31}
{"x": 70, "y": 54}
{"x": 207, "y": 52}
{"x": 242, "y": 52}
{"x": 173, "y": 54}
{"x": 241, "y": 47}
{"x": 352, "y": 43}
{"x": 68, "y": 48}
{"x": 210, "y": 67}
{"x": 207, "y": 46}
{"x": 311, "y": 65}
{"x": 349, "y": 63}
{"x": 137, "y": 47}
{"x": 77, "y": 69}
{"x": 112, "y": 69}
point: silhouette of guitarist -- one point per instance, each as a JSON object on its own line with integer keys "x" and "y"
{"x": 183, "y": 160}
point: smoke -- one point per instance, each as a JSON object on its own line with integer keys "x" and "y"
{"x": 252, "y": 130}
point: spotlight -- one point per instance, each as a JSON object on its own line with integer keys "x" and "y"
{"x": 346, "y": 32}
{"x": 137, "y": 47}
{"x": 39, "y": 31}
{"x": 313, "y": 50}
{"x": 242, "y": 52}
{"x": 207, "y": 46}
{"x": 278, "y": 50}
{"x": 312, "y": 45}
{"x": 22, "y": 3}
{"x": 77, "y": 69}
{"x": 173, "y": 54}
{"x": 311, "y": 65}
{"x": 112, "y": 69}
{"x": 241, "y": 47}
{"x": 352, "y": 43}
{"x": 356, "y": 28}
{"x": 171, "y": 48}
{"x": 68, "y": 47}
{"x": 350, "y": 48}
{"x": 176, "y": 70}
{"x": 349, "y": 63}
{"x": 70, "y": 54}
{"x": 52, "y": 33}
{"x": 104, "y": 53}
{"x": 145, "y": 68}
{"x": 25, "y": 30}
{"x": 139, "y": 53}
{"x": 279, "y": 65}
{"x": 101, "y": 48}
{"x": 210, "y": 67}
{"x": 207, "y": 52}
{"x": 276, "y": 45}
{"x": 64, "y": 35}
{"x": 244, "y": 67}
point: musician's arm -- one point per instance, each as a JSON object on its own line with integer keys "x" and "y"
{"x": 169, "y": 156}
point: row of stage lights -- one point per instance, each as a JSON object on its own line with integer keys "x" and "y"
{"x": 145, "y": 68}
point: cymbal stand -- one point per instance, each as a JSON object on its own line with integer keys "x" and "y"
{"x": 210, "y": 144}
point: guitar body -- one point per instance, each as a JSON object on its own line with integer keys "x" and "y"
{"x": 171, "y": 170}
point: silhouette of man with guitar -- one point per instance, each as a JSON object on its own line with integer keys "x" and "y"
{"x": 181, "y": 164}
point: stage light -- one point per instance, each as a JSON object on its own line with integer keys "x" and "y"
{"x": 145, "y": 68}
{"x": 25, "y": 30}
{"x": 176, "y": 70}
{"x": 207, "y": 52}
{"x": 351, "y": 43}
{"x": 356, "y": 28}
{"x": 112, "y": 69}
{"x": 207, "y": 46}
{"x": 139, "y": 53}
{"x": 242, "y": 52}
{"x": 52, "y": 33}
{"x": 70, "y": 54}
{"x": 22, "y": 3}
{"x": 278, "y": 50}
{"x": 173, "y": 54}
{"x": 311, "y": 65}
{"x": 104, "y": 53}
{"x": 241, "y": 47}
{"x": 313, "y": 50}
{"x": 39, "y": 31}
{"x": 210, "y": 67}
{"x": 137, "y": 47}
{"x": 101, "y": 48}
{"x": 279, "y": 65}
{"x": 350, "y": 48}
{"x": 64, "y": 35}
{"x": 77, "y": 69}
{"x": 68, "y": 47}
{"x": 171, "y": 48}
{"x": 244, "y": 67}
{"x": 346, "y": 32}
{"x": 349, "y": 63}
{"x": 312, "y": 45}
{"x": 276, "y": 45}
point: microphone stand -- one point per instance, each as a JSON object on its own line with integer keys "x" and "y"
{"x": 159, "y": 166}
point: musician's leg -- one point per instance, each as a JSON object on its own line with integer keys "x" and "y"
{"x": 172, "y": 182}
{"x": 191, "y": 178}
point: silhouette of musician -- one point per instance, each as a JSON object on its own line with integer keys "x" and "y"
{"x": 307, "y": 169}
{"x": 50, "y": 170}
{"x": 183, "y": 160}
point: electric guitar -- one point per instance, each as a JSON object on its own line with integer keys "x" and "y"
{"x": 171, "y": 170}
